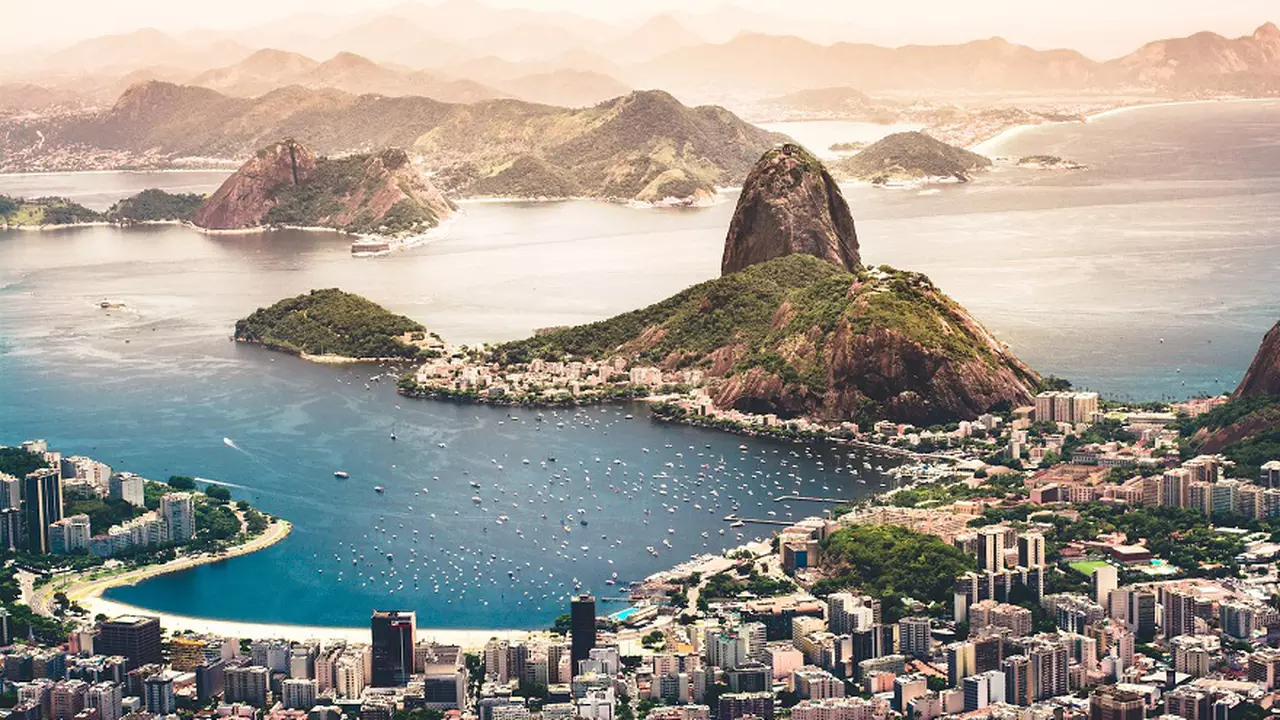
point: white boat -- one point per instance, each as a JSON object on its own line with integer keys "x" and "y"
{"x": 341, "y": 474}
{"x": 379, "y": 489}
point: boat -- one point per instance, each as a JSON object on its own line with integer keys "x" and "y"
{"x": 736, "y": 524}
{"x": 379, "y": 489}
{"x": 476, "y": 499}
{"x": 341, "y": 474}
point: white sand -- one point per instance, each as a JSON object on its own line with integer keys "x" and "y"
{"x": 227, "y": 628}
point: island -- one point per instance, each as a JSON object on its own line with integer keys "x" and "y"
{"x": 334, "y": 326}
{"x": 286, "y": 184}
{"x": 910, "y": 158}
{"x": 45, "y": 212}
{"x": 155, "y": 206}
{"x": 1049, "y": 162}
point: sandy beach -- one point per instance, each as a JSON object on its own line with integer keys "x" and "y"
{"x": 467, "y": 638}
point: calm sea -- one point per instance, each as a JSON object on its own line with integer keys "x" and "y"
{"x": 1149, "y": 275}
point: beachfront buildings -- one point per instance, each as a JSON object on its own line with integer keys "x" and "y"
{"x": 393, "y": 633}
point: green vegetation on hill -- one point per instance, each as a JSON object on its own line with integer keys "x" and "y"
{"x": 911, "y": 155}
{"x": 817, "y": 330}
{"x": 736, "y": 308}
{"x": 34, "y": 212}
{"x": 155, "y": 205}
{"x": 331, "y": 322}
{"x": 1245, "y": 429}
{"x": 19, "y": 463}
{"x": 729, "y": 585}
{"x": 890, "y": 563}
{"x": 330, "y": 186}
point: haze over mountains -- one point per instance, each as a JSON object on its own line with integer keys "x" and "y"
{"x": 466, "y": 51}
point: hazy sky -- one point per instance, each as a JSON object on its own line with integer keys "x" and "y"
{"x": 1101, "y": 28}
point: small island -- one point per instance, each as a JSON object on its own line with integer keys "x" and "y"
{"x": 910, "y": 158}
{"x": 1049, "y": 162}
{"x": 334, "y": 326}
{"x": 45, "y": 212}
{"x": 155, "y": 206}
{"x": 147, "y": 207}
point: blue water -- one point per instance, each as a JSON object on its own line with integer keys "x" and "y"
{"x": 1170, "y": 235}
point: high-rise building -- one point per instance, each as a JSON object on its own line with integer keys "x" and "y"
{"x": 1264, "y": 668}
{"x": 298, "y": 693}
{"x": 249, "y": 684}
{"x": 106, "y": 698}
{"x": 11, "y": 529}
{"x": 128, "y": 487}
{"x": 1019, "y": 686}
{"x": 1031, "y": 550}
{"x": 1111, "y": 703}
{"x": 67, "y": 698}
{"x": 158, "y": 695}
{"x": 42, "y": 493}
{"x": 915, "y": 636}
{"x": 1179, "y": 612}
{"x": 991, "y": 548}
{"x": 177, "y": 512}
{"x": 10, "y": 492}
{"x": 394, "y": 634}
{"x": 1188, "y": 703}
{"x": 582, "y": 629}
{"x": 1105, "y": 580}
{"x": 983, "y": 689}
{"x": 133, "y": 637}
{"x": 70, "y": 535}
{"x": 1050, "y": 659}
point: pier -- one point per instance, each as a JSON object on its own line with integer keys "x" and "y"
{"x": 811, "y": 498}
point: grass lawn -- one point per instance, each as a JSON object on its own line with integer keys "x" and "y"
{"x": 1086, "y": 567}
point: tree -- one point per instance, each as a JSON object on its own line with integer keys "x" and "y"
{"x": 218, "y": 494}
{"x": 182, "y": 482}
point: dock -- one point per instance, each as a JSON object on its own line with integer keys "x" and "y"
{"x": 811, "y": 498}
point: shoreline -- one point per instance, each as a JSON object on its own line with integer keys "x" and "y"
{"x": 468, "y": 638}
{"x": 86, "y": 588}
{"x": 983, "y": 147}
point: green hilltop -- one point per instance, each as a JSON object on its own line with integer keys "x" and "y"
{"x": 333, "y": 322}
{"x": 798, "y": 336}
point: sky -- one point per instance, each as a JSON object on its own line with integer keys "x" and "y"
{"x": 1099, "y": 28}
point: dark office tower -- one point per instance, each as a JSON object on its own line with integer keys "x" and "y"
{"x": 42, "y": 500}
{"x": 133, "y": 637}
{"x": 393, "y": 639}
{"x": 582, "y": 614}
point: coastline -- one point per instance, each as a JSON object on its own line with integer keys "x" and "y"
{"x": 87, "y": 588}
{"x": 468, "y": 638}
{"x": 983, "y": 147}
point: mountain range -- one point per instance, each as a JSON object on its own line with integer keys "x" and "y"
{"x": 643, "y": 146}
{"x": 463, "y": 50}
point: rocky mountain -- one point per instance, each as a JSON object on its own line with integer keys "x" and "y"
{"x": 797, "y": 335}
{"x": 789, "y": 204}
{"x": 911, "y": 156}
{"x": 1204, "y": 61}
{"x": 1263, "y": 376}
{"x": 288, "y": 184}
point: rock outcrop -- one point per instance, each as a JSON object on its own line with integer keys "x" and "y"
{"x": 286, "y": 184}
{"x": 242, "y": 200}
{"x": 1263, "y": 376}
{"x": 790, "y": 205}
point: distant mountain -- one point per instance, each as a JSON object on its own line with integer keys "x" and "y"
{"x": 566, "y": 88}
{"x": 286, "y": 183}
{"x": 658, "y": 35}
{"x": 1205, "y": 61}
{"x": 754, "y": 63}
{"x": 25, "y": 97}
{"x": 120, "y": 54}
{"x": 911, "y": 156}
{"x": 258, "y": 74}
{"x": 529, "y": 42}
{"x": 645, "y": 145}
{"x": 268, "y": 70}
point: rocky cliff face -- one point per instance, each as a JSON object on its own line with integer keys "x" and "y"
{"x": 287, "y": 184}
{"x": 247, "y": 195}
{"x": 1263, "y": 376}
{"x": 790, "y": 205}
